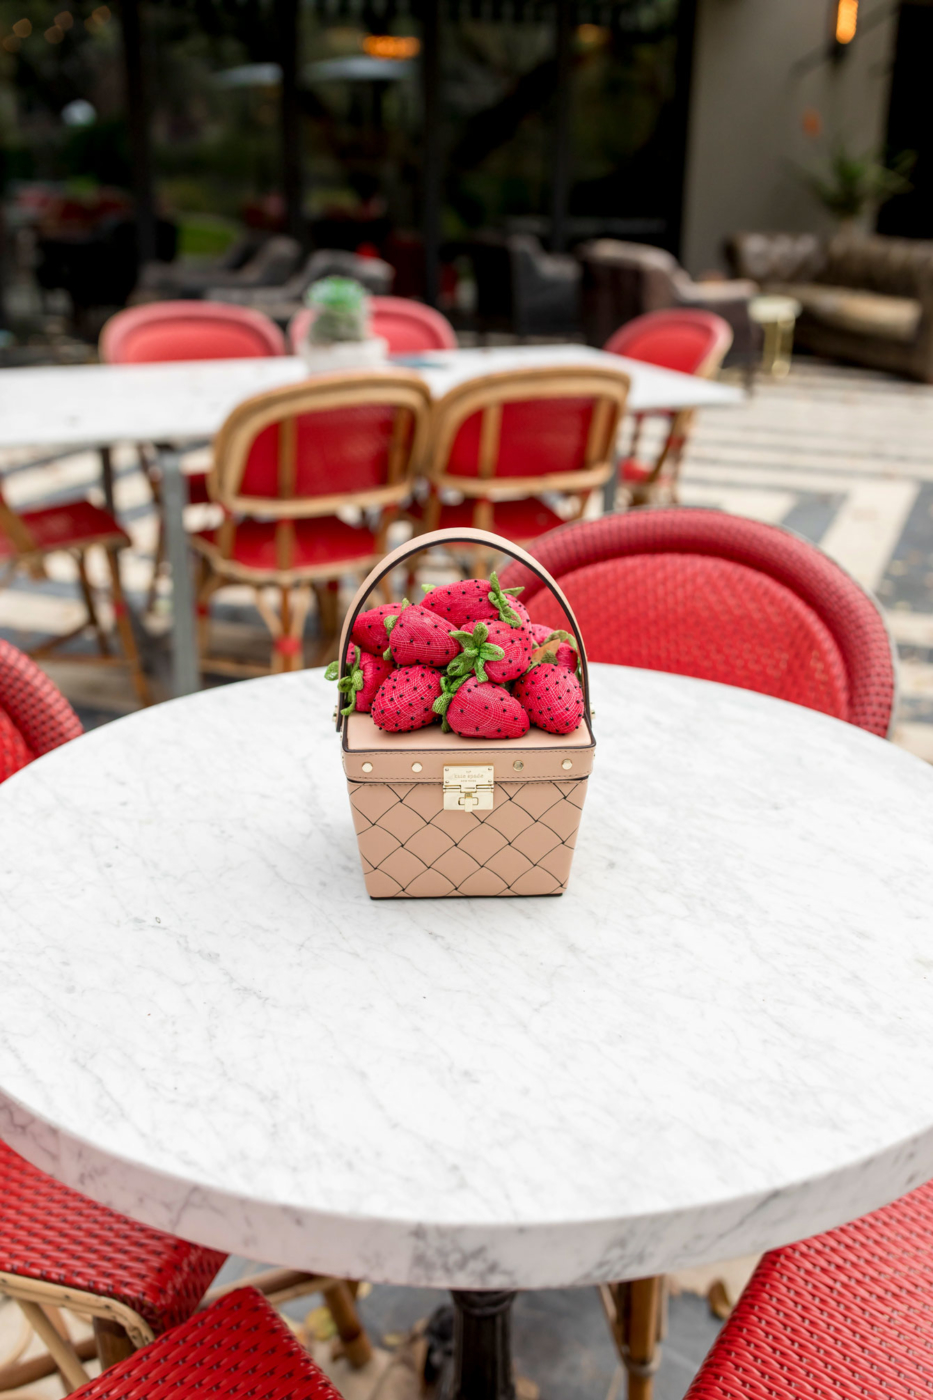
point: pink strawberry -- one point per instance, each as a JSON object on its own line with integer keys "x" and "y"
{"x": 494, "y": 651}
{"x": 552, "y": 696}
{"x": 364, "y": 675}
{"x": 405, "y": 700}
{"x": 369, "y": 630}
{"x": 479, "y": 709}
{"x": 476, "y": 600}
{"x": 418, "y": 637}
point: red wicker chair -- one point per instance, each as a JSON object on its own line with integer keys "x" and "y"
{"x": 701, "y": 593}
{"x": 59, "y": 1249}
{"x": 34, "y": 716}
{"x": 237, "y": 1349}
{"x": 845, "y": 1316}
{"x": 685, "y": 339}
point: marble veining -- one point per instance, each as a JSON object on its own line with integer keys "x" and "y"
{"x": 718, "y": 1040}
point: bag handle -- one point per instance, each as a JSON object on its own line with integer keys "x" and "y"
{"x": 417, "y": 545}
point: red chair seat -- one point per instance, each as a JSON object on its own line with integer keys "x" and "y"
{"x": 49, "y": 1232}
{"x": 632, "y": 470}
{"x": 237, "y": 1349}
{"x": 844, "y": 1316}
{"x": 319, "y": 541}
{"x": 197, "y": 489}
{"x": 515, "y": 520}
{"x": 66, "y": 526}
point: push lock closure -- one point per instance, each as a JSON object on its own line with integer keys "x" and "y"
{"x": 469, "y": 789}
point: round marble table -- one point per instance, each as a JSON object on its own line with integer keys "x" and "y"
{"x": 718, "y": 1040}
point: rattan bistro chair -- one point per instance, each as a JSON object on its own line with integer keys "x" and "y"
{"x": 237, "y": 1349}
{"x": 289, "y": 466}
{"x": 847, "y": 1315}
{"x": 683, "y": 339}
{"x": 27, "y": 539}
{"x": 57, "y": 1248}
{"x": 504, "y": 441}
{"x": 34, "y": 715}
{"x": 701, "y": 593}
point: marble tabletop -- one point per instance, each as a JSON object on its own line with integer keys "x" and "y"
{"x": 79, "y": 405}
{"x": 716, "y": 1041}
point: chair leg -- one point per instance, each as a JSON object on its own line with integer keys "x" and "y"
{"x": 636, "y": 1314}
{"x": 113, "y": 1342}
{"x": 342, "y": 1308}
{"x": 125, "y": 629}
{"x": 61, "y": 1350}
{"x": 102, "y": 644}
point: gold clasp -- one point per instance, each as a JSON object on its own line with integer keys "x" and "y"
{"x": 469, "y": 789}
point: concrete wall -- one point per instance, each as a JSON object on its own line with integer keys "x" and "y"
{"x": 747, "y": 109}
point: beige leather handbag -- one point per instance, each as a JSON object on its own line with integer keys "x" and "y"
{"x": 438, "y": 815}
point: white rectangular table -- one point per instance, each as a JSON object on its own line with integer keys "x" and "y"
{"x": 79, "y": 406}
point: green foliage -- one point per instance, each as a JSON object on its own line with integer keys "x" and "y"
{"x": 852, "y": 184}
{"x": 341, "y": 309}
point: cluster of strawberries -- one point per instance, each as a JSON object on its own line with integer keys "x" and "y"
{"x": 468, "y": 655}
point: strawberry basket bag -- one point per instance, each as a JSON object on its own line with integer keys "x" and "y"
{"x": 439, "y": 815}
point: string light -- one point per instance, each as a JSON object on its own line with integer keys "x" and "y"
{"x": 54, "y": 35}
{"x": 22, "y": 28}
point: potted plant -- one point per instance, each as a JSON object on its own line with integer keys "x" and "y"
{"x": 853, "y": 187}
{"x": 338, "y": 335}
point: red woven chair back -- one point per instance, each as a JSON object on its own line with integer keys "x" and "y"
{"x": 847, "y": 1315}
{"x": 308, "y": 448}
{"x": 693, "y": 342}
{"x": 542, "y": 426}
{"x": 407, "y": 325}
{"x": 34, "y": 716}
{"x": 188, "y": 330}
{"x": 701, "y": 593}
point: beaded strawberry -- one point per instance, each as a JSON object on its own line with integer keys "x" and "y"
{"x": 494, "y": 651}
{"x": 479, "y": 709}
{"x": 418, "y": 637}
{"x": 365, "y": 674}
{"x": 476, "y": 600}
{"x": 369, "y": 631}
{"x": 405, "y": 700}
{"x": 552, "y": 696}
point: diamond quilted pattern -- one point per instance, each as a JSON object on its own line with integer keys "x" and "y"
{"x": 411, "y": 848}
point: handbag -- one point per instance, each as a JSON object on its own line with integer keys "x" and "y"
{"x": 441, "y": 816}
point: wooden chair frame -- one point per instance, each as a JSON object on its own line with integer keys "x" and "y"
{"x": 489, "y": 395}
{"x": 408, "y": 394}
{"x": 119, "y": 1330}
{"x": 31, "y": 556}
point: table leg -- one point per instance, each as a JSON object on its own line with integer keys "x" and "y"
{"x": 481, "y": 1365}
{"x": 106, "y": 477}
{"x": 185, "y": 670}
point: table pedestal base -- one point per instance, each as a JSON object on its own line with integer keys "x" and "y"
{"x": 471, "y": 1354}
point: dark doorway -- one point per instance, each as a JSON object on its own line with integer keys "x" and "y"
{"x": 910, "y": 122}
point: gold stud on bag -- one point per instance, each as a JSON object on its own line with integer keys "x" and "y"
{"x": 441, "y": 816}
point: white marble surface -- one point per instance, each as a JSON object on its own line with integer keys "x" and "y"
{"x": 80, "y": 405}
{"x": 718, "y": 1040}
